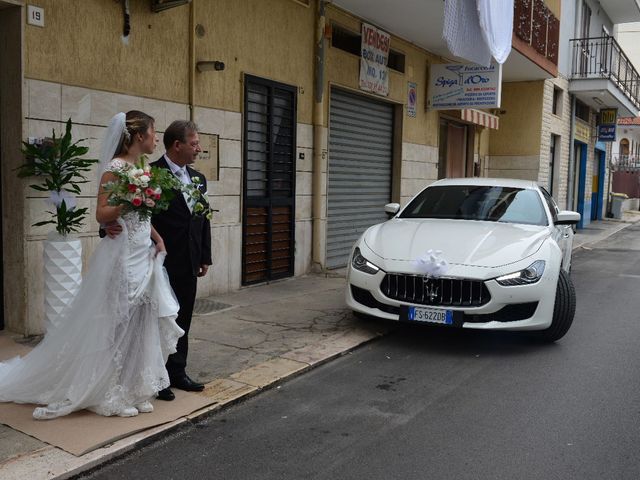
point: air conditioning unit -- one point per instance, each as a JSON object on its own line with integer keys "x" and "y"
{"x": 160, "y": 5}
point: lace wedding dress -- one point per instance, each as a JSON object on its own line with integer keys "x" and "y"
{"x": 108, "y": 349}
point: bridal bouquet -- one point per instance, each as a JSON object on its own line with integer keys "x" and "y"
{"x": 143, "y": 189}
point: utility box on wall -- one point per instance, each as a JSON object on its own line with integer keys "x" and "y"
{"x": 208, "y": 159}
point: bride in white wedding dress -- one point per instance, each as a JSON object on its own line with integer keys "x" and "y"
{"x": 107, "y": 350}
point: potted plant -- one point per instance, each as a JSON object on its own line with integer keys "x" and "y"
{"x": 60, "y": 169}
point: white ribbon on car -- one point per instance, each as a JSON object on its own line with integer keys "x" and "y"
{"x": 431, "y": 264}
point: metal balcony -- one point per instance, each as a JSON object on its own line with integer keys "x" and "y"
{"x": 601, "y": 58}
{"x": 625, "y": 163}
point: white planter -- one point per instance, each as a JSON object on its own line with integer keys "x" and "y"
{"x": 62, "y": 274}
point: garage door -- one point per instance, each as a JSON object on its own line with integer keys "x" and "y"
{"x": 359, "y": 177}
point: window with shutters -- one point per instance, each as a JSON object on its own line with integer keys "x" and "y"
{"x": 269, "y": 180}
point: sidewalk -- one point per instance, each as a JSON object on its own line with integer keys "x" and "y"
{"x": 597, "y": 231}
{"x": 240, "y": 343}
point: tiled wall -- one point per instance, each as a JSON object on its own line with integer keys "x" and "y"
{"x": 419, "y": 169}
{"x": 48, "y": 105}
{"x": 514, "y": 166}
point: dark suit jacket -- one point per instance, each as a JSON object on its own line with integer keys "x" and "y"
{"x": 186, "y": 236}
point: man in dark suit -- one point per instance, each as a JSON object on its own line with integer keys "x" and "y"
{"x": 187, "y": 237}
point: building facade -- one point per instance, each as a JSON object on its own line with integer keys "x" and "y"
{"x": 300, "y": 160}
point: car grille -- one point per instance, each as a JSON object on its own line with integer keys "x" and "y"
{"x": 418, "y": 289}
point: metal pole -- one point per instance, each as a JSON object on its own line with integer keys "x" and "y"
{"x": 571, "y": 172}
{"x": 319, "y": 146}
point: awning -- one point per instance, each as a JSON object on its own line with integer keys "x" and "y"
{"x": 480, "y": 118}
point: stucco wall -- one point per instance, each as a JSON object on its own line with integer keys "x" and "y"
{"x": 343, "y": 70}
{"x": 80, "y": 45}
{"x": 514, "y": 149}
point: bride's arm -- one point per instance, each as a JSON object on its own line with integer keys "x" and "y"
{"x": 106, "y": 213}
{"x": 155, "y": 236}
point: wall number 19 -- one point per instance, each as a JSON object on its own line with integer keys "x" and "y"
{"x": 35, "y": 16}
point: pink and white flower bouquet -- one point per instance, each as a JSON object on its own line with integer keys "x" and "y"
{"x": 143, "y": 189}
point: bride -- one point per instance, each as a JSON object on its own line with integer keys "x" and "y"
{"x": 107, "y": 350}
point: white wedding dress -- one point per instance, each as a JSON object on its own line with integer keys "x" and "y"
{"x": 108, "y": 349}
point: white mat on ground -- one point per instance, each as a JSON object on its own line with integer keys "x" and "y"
{"x": 84, "y": 431}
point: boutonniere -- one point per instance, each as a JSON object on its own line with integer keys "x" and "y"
{"x": 198, "y": 199}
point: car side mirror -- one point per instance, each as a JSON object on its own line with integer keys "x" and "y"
{"x": 392, "y": 208}
{"x": 567, "y": 217}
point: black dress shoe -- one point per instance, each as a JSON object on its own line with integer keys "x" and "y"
{"x": 183, "y": 382}
{"x": 166, "y": 395}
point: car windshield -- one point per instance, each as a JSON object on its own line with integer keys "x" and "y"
{"x": 475, "y": 202}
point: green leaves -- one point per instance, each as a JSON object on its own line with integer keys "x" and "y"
{"x": 59, "y": 164}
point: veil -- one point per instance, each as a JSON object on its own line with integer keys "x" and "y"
{"x": 111, "y": 141}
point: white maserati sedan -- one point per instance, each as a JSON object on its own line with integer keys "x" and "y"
{"x": 473, "y": 253}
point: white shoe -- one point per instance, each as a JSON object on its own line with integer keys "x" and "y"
{"x": 128, "y": 412}
{"x": 145, "y": 407}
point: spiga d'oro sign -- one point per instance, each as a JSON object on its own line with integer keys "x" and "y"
{"x": 458, "y": 86}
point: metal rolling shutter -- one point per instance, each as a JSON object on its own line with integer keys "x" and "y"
{"x": 359, "y": 177}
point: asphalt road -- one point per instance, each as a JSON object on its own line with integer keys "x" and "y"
{"x": 426, "y": 403}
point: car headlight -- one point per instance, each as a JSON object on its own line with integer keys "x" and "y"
{"x": 360, "y": 263}
{"x": 529, "y": 275}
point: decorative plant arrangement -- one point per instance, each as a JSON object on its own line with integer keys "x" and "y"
{"x": 59, "y": 165}
{"x": 60, "y": 170}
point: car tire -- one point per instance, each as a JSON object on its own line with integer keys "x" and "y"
{"x": 564, "y": 310}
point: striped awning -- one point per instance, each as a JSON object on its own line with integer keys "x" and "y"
{"x": 480, "y": 118}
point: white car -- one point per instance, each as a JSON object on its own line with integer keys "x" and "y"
{"x": 504, "y": 254}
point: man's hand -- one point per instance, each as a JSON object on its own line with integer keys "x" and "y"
{"x": 203, "y": 270}
{"x": 113, "y": 229}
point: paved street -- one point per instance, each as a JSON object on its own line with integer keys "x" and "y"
{"x": 424, "y": 403}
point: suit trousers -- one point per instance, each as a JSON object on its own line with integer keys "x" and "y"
{"x": 184, "y": 286}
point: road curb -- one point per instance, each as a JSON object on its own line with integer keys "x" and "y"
{"x": 52, "y": 463}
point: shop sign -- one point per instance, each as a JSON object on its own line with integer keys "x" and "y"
{"x": 582, "y": 131}
{"x": 374, "y": 76}
{"x": 607, "y": 125}
{"x": 412, "y": 96}
{"x": 459, "y": 86}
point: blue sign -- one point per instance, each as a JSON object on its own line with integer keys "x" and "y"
{"x": 606, "y": 133}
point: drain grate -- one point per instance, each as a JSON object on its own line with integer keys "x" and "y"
{"x": 204, "y": 306}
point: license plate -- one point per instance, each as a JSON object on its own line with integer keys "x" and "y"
{"x": 431, "y": 315}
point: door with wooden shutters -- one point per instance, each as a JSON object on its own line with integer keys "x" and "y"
{"x": 359, "y": 177}
{"x": 268, "y": 229}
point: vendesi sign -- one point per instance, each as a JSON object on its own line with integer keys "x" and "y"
{"x": 374, "y": 76}
{"x": 454, "y": 86}
{"x": 607, "y": 125}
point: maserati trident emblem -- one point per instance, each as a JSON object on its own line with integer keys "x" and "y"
{"x": 430, "y": 289}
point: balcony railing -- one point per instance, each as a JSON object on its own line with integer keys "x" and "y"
{"x": 602, "y": 57}
{"x": 625, "y": 163}
{"x": 538, "y": 27}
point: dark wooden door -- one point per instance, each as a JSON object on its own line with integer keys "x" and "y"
{"x": 268, "y": 228}
{"x": 456, "y": 150}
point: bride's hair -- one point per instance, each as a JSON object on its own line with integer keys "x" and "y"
{"x": 136, "y": 122}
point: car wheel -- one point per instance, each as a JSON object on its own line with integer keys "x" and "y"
{"x": 563, "y": 310}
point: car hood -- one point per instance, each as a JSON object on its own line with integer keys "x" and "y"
{"x": 463, "y": 242}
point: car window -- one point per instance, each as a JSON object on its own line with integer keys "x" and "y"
{"x": 478, "y": 202}
{"x": 551, "y": 203}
